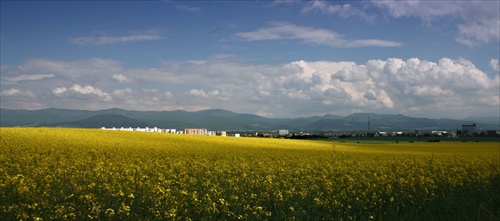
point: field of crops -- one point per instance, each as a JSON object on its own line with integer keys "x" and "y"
{"x": 84, "y": 174}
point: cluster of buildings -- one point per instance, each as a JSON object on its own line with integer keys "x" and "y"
{"x": 146, "y": 129}
{"x": 193, "y": 131}
{"x": 467, "y": 130}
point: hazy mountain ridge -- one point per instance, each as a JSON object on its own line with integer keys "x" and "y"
{"x": 218, "y": 119}
{"x": 105, "y": 120}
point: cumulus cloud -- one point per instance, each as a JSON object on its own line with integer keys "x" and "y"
{"x": 105, "y": 39}
{"x": 90, "y": 90}
{"x": 85, "y": 90}
{"x": 416, "y": 87}
{"x": 202, "y": 93}
{"x": 285, "y": 30}
{"x": 481, "y": 19}
{"x": 344, "y": 11}
{"x": 59, "y": 90}
{"x": 396, "y": 84}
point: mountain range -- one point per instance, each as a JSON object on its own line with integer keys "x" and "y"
{"x": 217, "y": 119}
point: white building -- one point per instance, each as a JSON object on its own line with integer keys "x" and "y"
{"x": 283, "y": 132}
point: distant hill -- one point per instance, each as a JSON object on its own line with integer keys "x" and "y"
{"x": 382, "y": 122}
{"x": 105, "y": 120}
{"x": 41, "y": 117}
{"x": 217, "y": 119}
{"x": 484, "y": 120}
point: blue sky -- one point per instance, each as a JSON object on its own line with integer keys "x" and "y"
{"x": 272, "y": 58}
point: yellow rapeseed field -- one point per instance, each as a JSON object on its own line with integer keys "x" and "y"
{"x": 90, "y": 174}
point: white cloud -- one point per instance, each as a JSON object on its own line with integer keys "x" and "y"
{"x": 29, "y": 77}
{"x": 495, "y": 64}
{"x": 284, "y": 30}
{"x": 16, "y": 92}
{"x": 481, "y": 19}
{"x": 10, "y": 92}
{"x": 60, "y": 67}
{"x": 86, "y": 90}
{"x": 372, "y": 42}
{"x": 344, "y": 11}
{"x": 120, "y": 78}
{"x": 168, "y": 94}
{"x": 202, "y": 93}
{"x": 123, "y": 92}
{"x": 91, "y": 90}
{"x": 415, "y": 87}
{"x": 188, "y": 8}
{"x": 426, "y": 10}
{"x": 94, "y": 71}
{"x": 154, "y": 91}
{"x": 443, "y": 88}
{"x": 103, "y": 40}
{"x": 59, "y": 90}
{"x": 283, "y": 2}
